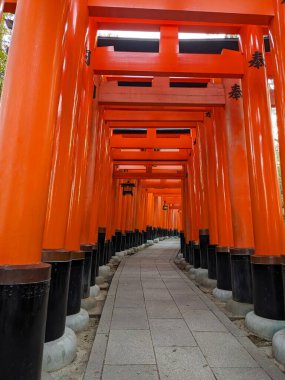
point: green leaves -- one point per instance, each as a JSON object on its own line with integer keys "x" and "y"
{"x": 5, "y": 34}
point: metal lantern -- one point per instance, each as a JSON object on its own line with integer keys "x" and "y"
{"x": 128, "y": 188}
{"x": 164, "y": 207}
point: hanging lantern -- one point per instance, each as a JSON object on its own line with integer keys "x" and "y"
{"x": 128, "y": 188}
{"x": 164, "y": 207}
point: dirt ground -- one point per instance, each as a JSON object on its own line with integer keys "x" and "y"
{"x": 76, "y": 370}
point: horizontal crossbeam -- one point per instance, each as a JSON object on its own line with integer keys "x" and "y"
{"x": 111, "y": 93}
{"x": 162, "y": 184}
{"x": 182, "y": 142}
{"x": 126, "y": 175}
{"x": 219, "y": 11}
{"x": 151, "y": 124}
{"x": 153, "y": 116}
{"x": 229, "y": 64}
{"x": 124, "y": 156}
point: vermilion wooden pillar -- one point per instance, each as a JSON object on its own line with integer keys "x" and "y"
{"x": 238, "y": 169}
{"x": 150, "y": 208}
{"x": 99, "y": 125}
{"x": 204, "y": 222}
{"x": 265, "y": 194}
{"x": 223, "y": 269}
{"x": 187, "y": 210}
{"x": 211, "y": 176}
{"x": 138, "y": 209}
{"x": 239, "y": 194}
{"x": 268, "y": 224}
{"x": 196, "y": 204}
{"x": 29, "y": 148}
{"x": 124, "y": 211}
{"x": 76, "y": 208}
{"x": 192, "y": 201}
{"x": 103, "y": 178}
{"x": 186, "y": 217}
{"x": 27, "y": 124}
{"x": 90, "y": 177}
{"x": 66, "y": 129}
{"x": 196, "y": 184}
{"x": 202, "y": 167}
{"x": 212, "y": 196}
{"x": 276, "y": 35}
{"x": 222, "y": 183}
{"x": 119, "y": 204}
{"x": 108, "y": 196}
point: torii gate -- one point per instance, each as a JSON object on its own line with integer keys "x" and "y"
{"x": 61, "y": 164}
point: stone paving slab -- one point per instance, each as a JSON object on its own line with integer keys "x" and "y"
{"x": 171, "y": 332}
{"x": 203, "y": 320}
{"x": 129, "y": 319}
{"x": 157, "y": 325}
{"x": 130, "y": 372}
{"x": 153, "y": 284}
{"x": 129, "y": 300}
{"x": 240, "y": 374}
{"x": 129, "y": 347}
{"x": 182, "y": 363}
{"x": 223, "y": 350}
{"x": 157, "y": 294}
{"x": 162, "y": 309}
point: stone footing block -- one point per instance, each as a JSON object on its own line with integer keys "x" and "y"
{"x": 78, "y": 322}
{"x": 88, "y": 303}
{"x": 278, "y": 346}
{"x": 262, "y": 327}
{"x": 60, "y": 352}
{"x": 94, "y": 291}
{"x": 104, "y": 271}
{"x": 222, "y": 295}
{"x": 238, "y": 309}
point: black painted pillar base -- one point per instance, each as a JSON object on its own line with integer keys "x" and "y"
{"x": 95, "y": 265}
{"x": 187, "y": 252}
{"x": 75, "y": 283}
{"x": 191, "y": 252}
{"x": 136, "y": 239}
{"x": 224, "y": 278}
{"x": 241, "y": 274}
{"x": 267, "y": 284}
{"x": 127, "y": 246}
{"x": 212, "y": 262}
{"x": 118, "y": 235}
{"x": 196, "y": 255}
{"x": 106, "y": 252}
{"x": 204, "y": 243}
{"x": 123, "y": 247}
{"x": 149, "y": 232}
{"x": 182, "y": 243}
{"x": 24, "y": 293}
{"x": 86, "y": 281}
{"x": 60, "y": 261}
{"x": 112, "y": 247}
{"x": 100, "y": 244}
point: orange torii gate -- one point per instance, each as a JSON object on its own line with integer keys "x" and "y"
{"x": 65, "y": 169}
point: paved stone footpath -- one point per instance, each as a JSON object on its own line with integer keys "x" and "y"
{"x": 156, "y": 324}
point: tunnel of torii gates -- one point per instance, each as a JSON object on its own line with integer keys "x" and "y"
{"x": 189, "y": 134}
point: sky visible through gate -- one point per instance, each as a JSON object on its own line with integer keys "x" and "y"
{"x": 156, "y": 35}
